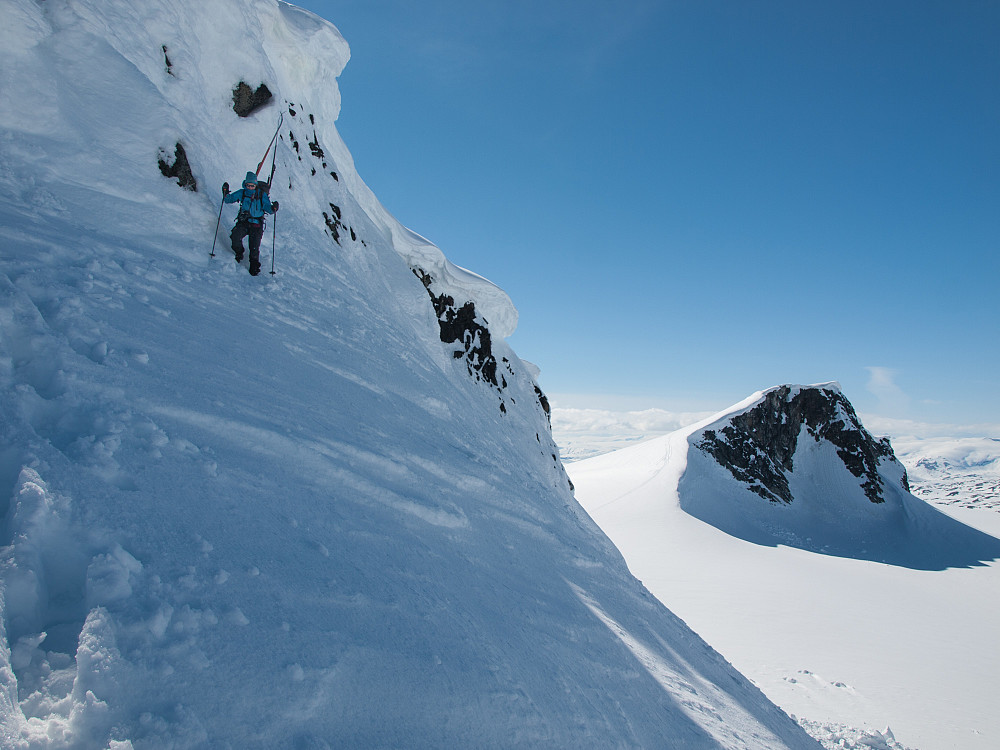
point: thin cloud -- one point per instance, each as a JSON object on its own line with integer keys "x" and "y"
{"x": 882, "y": 384}
{"x": 897, "y": 428}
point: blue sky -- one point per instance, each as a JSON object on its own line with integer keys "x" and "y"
{"x": 690, "y": 201}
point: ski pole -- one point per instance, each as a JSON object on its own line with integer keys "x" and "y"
{"x": 219, "y": 222}
{"x": 274, "y": 233}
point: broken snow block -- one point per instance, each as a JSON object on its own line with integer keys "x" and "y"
{"x": 180, "y": 169}
{"x": 246, "y": 100}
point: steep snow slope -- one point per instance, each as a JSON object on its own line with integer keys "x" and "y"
{"x": 839, "y": 640}
{"x": 320, "y": 509}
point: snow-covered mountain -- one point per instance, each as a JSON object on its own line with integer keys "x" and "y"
{"x": 316, "y": 509}
{"x": 782, "y": 531}
{"x": 804, "y": 472}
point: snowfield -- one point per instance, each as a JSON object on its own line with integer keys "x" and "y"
{"x": 848, "y": 644}
{"x": 283, "y": 511}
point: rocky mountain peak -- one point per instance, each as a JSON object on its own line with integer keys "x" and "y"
{"x": 758, "y": 445}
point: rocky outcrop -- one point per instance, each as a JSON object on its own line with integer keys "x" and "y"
{"x": 167, "y": 62}
{"x": 246, "y": 100}
{"x": 179, "y": 169}
{"x": 321, "y": 169}
{"x": 544, "y": 403}
{"x": 459, "y": 324}
{"x": 758, "y": 445}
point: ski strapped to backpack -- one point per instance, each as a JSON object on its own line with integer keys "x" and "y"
{"x": 273, "y": 156}
{"x": 270, "y": 179}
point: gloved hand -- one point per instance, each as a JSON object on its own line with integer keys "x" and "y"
{"x": 274, "y": 205}
{"x": 225, "y": 188}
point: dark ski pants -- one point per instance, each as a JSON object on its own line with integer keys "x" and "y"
{"x": 254, "y": 232}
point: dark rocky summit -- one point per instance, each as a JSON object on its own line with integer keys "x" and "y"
{"x": 758, "y": 446}
{"x": 800, "y": 447}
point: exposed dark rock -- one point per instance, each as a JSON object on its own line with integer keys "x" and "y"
{"x": 544, "y": 401}
{"x": 460, "y": 325}
{"x": 333, "y": 223}
{"x": 166, "y": 59}
{"x": 180, "y": 169}
{"x": 758, "y": 446}
{"x": 315, "y": 147}
{"x": 246, "y": 101}
{"x": 510, "y": 371}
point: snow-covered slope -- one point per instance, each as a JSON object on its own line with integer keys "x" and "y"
{"x": 794, "y": 465}
{"x": 319, "y": 509}
{"x": 840, "y": 639}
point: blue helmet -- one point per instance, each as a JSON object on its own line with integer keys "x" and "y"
{"x": 251, "y": 179}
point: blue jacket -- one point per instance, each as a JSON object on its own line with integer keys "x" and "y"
{"x": 254, "y": 202}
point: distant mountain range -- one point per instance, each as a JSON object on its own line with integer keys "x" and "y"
{"x": 953, "y": 471}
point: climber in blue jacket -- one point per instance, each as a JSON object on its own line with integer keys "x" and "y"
{"x": 254, "y": 203}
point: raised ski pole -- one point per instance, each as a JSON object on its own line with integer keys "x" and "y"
{"x": 274, "y": 233}
{"x": 219, "y": 222}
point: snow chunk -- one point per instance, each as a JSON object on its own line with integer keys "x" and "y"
{"x": 110, "y": 577}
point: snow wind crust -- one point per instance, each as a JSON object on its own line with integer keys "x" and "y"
{"x": 280, "y": 512}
